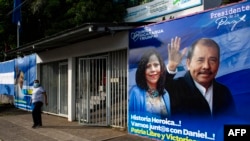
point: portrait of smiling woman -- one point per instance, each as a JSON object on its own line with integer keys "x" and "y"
{"x": 148, "y": 96}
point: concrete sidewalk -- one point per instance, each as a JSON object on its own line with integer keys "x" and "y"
{"x": 15, "y": 125}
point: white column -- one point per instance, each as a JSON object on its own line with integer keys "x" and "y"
{"x": 71, "y": 89}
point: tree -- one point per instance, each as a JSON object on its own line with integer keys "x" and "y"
{"x": 7, "y": 29}
{"x": 42, "y": 18}
{"x": 58, "y": 15}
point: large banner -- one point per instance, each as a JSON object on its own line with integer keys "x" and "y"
{"x": 7, "y": 77}
{"x": 151, "y": 112}
{"x": 25, "y": 74}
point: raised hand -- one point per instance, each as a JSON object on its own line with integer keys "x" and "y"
{"x": 174, "y": 54}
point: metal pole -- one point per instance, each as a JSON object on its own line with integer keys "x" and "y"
{"x": 17, "y": 45}
{"x": 18, "y": 27}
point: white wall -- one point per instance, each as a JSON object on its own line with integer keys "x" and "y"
{"x": 107, "y": 43}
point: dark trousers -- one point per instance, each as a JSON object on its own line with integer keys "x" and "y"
{"x": 37, "y": 113}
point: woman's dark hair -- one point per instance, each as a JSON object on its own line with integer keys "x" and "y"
{"x": 140, "y": 72}
{"x": 206, "y": 42}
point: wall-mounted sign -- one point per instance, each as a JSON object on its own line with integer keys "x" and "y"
{"x": 158, "y": 8}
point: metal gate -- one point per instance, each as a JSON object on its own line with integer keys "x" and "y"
{"x": 55, "y": 81}
{"x": 92, "y": 91}
{"x": 63, "y": 89}
{"x": 102, "y": 90}
{"x": 118, "y": 88}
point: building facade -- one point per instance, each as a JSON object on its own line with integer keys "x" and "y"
{"x": 86, "y": 81}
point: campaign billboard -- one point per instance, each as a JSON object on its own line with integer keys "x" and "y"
{"x": 25, "y": 74}
{"x": 151, "y": 112}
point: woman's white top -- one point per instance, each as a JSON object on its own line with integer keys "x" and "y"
{"x": 37, "y": 94}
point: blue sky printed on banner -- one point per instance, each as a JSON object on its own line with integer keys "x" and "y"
{"x": 229, "y": 26}
{"x": 7, "y": 77}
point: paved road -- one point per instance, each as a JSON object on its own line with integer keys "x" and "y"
{"x": 15, "y": 125}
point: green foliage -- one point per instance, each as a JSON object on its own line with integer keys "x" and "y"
{"x": 63, "y": 14}
{"x": 96, "y": 11}
{"x": 7, "y": 39}
{"x": 41, "y": 18}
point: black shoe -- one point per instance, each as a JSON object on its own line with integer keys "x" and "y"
{"x": 34, "y": 126}
{"x": 38, "y": 126}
